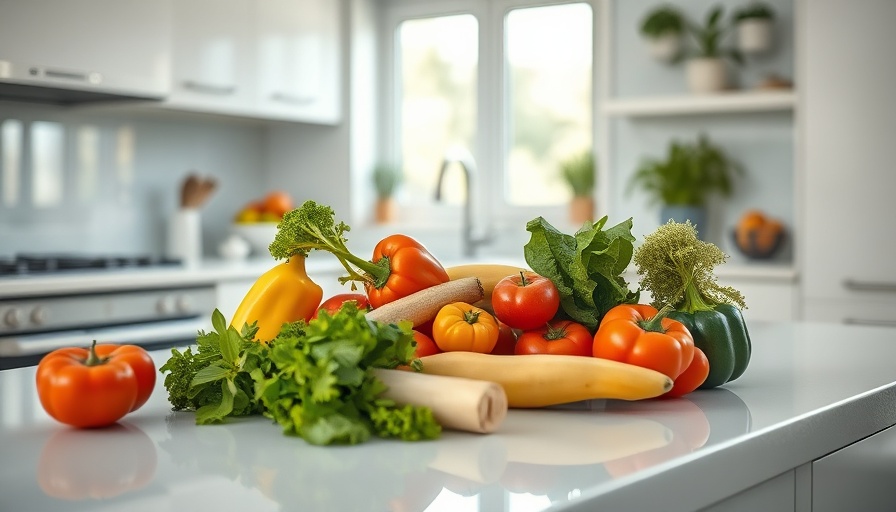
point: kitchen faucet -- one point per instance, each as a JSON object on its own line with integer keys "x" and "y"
{"x": 468, "y": 166}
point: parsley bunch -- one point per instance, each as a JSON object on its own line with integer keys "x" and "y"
{"x": 315, "y": 380}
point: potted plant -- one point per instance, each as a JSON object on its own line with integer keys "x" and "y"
{"x": 683, "y": 181}
{"x": 754, "y": 27}
{"x": 386, "y": 179}
{"x": 663, "y": 29}
{"x": 579, "y": 173}
{"x": 706, "y": 71}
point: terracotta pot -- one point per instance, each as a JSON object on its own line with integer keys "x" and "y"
{"x": 581, "y": 209}
{"x": 385, "y": 210}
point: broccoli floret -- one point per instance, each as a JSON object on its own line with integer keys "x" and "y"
{"x": 678, "y": 269}
{"x": 313, "y": 227}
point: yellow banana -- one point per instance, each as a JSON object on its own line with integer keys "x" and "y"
{"x": 540, "y": 380}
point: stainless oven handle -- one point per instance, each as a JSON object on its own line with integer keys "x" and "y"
{"x": 142, "y": 334}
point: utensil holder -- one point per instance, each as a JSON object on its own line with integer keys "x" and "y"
{"x": 185, "y": 236}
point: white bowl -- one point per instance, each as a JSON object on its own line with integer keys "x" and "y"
{"x": 258, "y": 234}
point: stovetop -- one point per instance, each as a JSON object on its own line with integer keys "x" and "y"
{"x": 46, "y": 263}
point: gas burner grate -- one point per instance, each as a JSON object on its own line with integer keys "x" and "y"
{"x": 28, "y": 263}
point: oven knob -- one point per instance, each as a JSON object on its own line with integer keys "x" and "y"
{"x": 165, "y": 305}
{"x": 184, "y": 304}
{"x": 38, "y": 316}
{"x": 13, "y": 318}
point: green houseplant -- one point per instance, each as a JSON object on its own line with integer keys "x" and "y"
{"x": 664, "y": 28}
{"x": 386, "y": 179}
{"x": 706, "y": 70}
{"x": 682, "y": 182}
{"x": 754, "y": 27}
{"x": 579, "y": 174}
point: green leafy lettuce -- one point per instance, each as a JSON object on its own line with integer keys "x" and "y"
{"x": 586, "y": 267}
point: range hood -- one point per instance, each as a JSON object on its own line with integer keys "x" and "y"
{"x": 32, "y": 83}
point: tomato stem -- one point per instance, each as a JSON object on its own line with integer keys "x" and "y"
{"x": 92, "y": 358}
{"x": 523, "y": 281}
{"x": 555, "y": 333}
{"x": 471, "y": 317}
{"x": 655, "y": 323}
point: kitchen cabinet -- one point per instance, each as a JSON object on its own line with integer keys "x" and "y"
{"x": 857, "y": 477}
{"x": 849, "y": 251}
{"x": 276, "y": 59}
{"x": 106, "y": 46}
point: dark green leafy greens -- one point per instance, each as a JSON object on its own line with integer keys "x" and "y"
{"x": 586, "y": 267}
{"x": 315, "y": 380}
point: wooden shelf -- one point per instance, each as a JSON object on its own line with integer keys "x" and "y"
{"x": 751, "y": 101}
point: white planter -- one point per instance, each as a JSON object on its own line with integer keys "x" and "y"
{"x": 706, "y": 75}
{"x": 754, "y": 35}
{"x": 664, "y": 48}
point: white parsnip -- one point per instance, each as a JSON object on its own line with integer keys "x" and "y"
{"x": 421, "y": 307}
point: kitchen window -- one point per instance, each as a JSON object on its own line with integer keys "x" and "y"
{"x": 508, "y": 82}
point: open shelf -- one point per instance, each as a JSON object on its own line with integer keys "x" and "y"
{"x": 738, "y": 101}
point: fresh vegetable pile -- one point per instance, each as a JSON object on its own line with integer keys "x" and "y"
{"x": 568, "y": 328}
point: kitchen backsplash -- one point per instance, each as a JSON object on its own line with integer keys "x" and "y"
{"x": 105, "y": 180}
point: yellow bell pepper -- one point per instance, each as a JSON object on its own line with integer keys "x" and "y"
{"x": 283, "y": 294}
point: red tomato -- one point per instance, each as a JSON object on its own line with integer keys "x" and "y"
{"x": 506, "y": 340}
{"x": 94, "y": 387}
{"x": 692, "y": 377}
{"x": 560, "y": 337}
{"x": 425, "y": 345}
{"x": 335, "y": 302}
{"x": 525, "y": 301}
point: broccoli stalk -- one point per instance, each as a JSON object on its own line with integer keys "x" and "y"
{"x": 678, "y": 269}
{"x": 313, "y": 227}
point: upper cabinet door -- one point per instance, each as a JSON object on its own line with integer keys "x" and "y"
{"x": 108, "y": 45}
{"x": 298, "y": 59}
{"x": 213, "y": 62}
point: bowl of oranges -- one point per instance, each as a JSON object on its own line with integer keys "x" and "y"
{"x": 757, "y": 235}
{"x": 256, "y": 222}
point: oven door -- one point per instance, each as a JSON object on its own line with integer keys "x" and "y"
{"x": 27, "y": 349}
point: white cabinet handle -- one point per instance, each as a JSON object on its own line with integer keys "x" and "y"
{"x": 862, "y": 321}
{"x": 282, "y": 97}
{"x": 869, "y": 286}
{"x": 220, "y": 90}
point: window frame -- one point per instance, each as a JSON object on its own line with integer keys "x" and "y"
{"x": 492, "y": 138}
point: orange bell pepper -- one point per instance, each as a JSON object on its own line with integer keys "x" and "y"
{"x": 639, "y": 334}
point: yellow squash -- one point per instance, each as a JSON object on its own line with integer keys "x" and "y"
{"x": 540, "y": 380}
{"x": 283, "y": 294}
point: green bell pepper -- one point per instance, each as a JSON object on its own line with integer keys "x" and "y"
{"x": 721, "y": 333}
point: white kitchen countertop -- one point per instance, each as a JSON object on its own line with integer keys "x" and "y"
{"x": 209, "y": 271}
{"x": 810, "y": 389}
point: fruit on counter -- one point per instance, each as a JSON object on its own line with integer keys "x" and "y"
{"x": 758, "y": 235}
{"x": 399, "y": 267}
{"x": 711, "y": 312}
{"x": 587, "y": 268}
{"x": 334, "y": 303}
{"x": 424, "y": 345}
{"x": 525, "y": 300}
{"x": 639, "y": 334}
{"x": 462, "y": 326}
{"x": 281, "y": 295}
{"x": 541, "y": 380}
{"x": 692, "y": 377}
{"x": 270, "y": 208}
{"x": 488, "y": 274}
{"x": 96, "y": 386}
{"x": 557, "y": 337}
{"x": 506, "y": 340}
